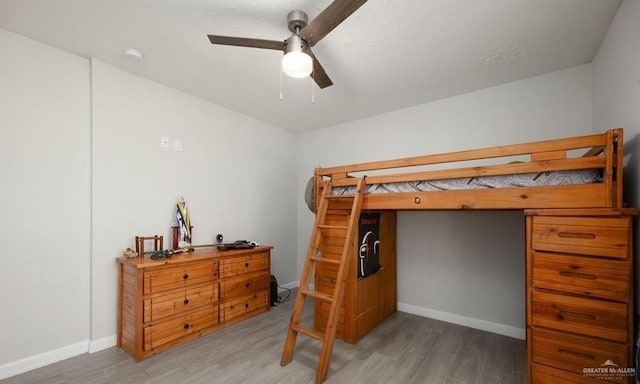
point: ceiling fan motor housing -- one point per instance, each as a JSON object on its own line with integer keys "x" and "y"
{"x": 296, "y": 20}
{"x": 295, "y": 43}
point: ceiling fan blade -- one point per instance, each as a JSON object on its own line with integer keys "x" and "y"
{"x": 247, "y": 42}
{"x": 328, "y": 19}
{"x": 319, "y": 75}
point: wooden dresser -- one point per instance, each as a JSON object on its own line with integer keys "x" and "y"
{"x": 164, "y": 303}
{"x": 366, "y": 301}
{"x": 579, "y": 294}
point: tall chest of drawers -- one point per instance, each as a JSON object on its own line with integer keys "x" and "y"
{"x": 167, "y": 302}
{"x": 579, "y": 295}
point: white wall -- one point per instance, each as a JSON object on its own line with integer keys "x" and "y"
{"x": 45, "y": 209}
{"x": 236, "y": 174}
{"x": 616, "y": 89}
{"x": 616, "y": 97}
{"x": 83, "y": 173}
{"x": 458, "y": 265}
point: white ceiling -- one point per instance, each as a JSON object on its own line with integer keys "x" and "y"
{"x": 390, "y": 54}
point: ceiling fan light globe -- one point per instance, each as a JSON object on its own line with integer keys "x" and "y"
{"x": 297, "y": 64}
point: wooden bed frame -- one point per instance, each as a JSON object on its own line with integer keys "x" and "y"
{"x": 578, "y": 248}
{"x": 603, "y": 151}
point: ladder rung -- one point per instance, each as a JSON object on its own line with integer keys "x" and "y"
{"x": 339, "y": 196}
{"x": 325, "y": 260}
{"x": 317, "y": 295}
{"x": 324, "y": 226}
{"x": 338, "y": 212}
{"x": 309, "y": 332}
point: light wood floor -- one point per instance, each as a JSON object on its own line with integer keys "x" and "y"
{"x": 403, "y": 349}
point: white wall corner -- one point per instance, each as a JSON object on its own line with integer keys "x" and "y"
{"x": 43, "y": 359}
{"x": 102, "y": 344}
{"x": 483, "y": 325}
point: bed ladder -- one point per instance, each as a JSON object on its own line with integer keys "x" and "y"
{"x": 321, "y": 229}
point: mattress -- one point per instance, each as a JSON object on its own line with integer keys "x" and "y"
{"x": 586, "y": 176}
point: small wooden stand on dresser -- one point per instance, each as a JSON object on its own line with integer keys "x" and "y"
{"x": 166, "y": 302}
{"x": 579, "y": 294}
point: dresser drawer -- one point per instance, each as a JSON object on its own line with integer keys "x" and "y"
{"x": 243, "y": 285}
{"x": 574, "y": 353}
{"x": 167, "y": 331}
{"x": 589, "y": 317}
{"x": 158, "y": 307}
{"x": 606, "y": 237}
{"x": 244, "y": 264}
{"x": 608, "y": 279}
{"x": 178, "y": 276}
{"x": 243, "y": 305}
{"x": 545, "y": 375}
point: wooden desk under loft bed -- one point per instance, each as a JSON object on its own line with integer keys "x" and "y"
{"x": 579, "y": 261}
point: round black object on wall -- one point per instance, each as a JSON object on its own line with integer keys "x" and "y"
{"x": 309, "y": 195}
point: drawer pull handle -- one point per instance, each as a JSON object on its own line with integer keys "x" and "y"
{"x": 562, "y": 315}
{"x": 247, "y": 285}
{"x": 186, "y": 326}
{"x": 576, "y": 353}
{"x": 185, "y": 276}
{"x": 186, "y": 301}
{"x": 577, "y": 275}
{"x": 577, "y": 235}
{"x": 246, "y": 305}
{"x": 246, "y": 265}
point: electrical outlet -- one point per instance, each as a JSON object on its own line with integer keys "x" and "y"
{"x": 164, "y": 142}
{"x": 177, "y": 145}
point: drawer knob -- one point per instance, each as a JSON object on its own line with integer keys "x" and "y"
{"x": 247, "y": 285}
{"x": 246, "y": 305}
{"x": 577, "y": 275}
{"x": 563, "y": 315}
{"x": 246, "y": 265}
{"x": 186, "y": 326}
{"x": 577, "y": 235}
{"x": 185, "y": 276}
{"x": 186, "y": 301}
{"x": 579, "y": 354}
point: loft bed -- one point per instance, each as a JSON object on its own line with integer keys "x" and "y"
{"x": 575, "y": 172}
{"x": 573, "y": 184}
{"x": 577, "y": 240}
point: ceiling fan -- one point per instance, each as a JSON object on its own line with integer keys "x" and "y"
{"x": 298, "y": 60}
